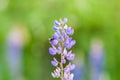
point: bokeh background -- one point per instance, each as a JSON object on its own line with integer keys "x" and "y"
{"x": 26, "y": 25}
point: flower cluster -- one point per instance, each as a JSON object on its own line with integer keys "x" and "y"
{"x": 61, "y": 43}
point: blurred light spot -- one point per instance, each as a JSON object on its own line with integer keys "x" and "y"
{"x": 19, "y": 35}
{"x": 3, "y": 4}
{"x": 104, "y": 76}
{"x": 82, "y": 5}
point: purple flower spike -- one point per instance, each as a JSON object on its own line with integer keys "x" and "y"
{"x": 69, "y": 31}
{"x": 61, "y": 42}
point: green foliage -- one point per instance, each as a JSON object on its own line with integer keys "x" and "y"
{"x": 89, "y": 18}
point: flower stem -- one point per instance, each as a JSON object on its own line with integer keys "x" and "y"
{"x": 62, "y": 69}
{"x": 62, "y": 76}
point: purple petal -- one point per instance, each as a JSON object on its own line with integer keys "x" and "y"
{"x": 73, "y": 42}
{"x": 67, "y": 70}
{"x": 65, "y": 20}
{"x": 54, "y": 63}
{"x": 56, "y": 23}
{"x": 52, "y": 51}
{"x": 69, "y": 43}
{"x": 54, "y": 42}
{"x": 59, "y": 49}
{"x": 56, "y": 35}
{"x": 64, "y": 34}
{"x": 63, "y": 61}
{"x": 55, "y": 28}
{"x": 68, "y": 40}
{"x": 69, "y": 31}
{"x": 70, "y": 57}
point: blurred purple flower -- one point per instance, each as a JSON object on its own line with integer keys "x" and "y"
{"x": 97, "y": 59}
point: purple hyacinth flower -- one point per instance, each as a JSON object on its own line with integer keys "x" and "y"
{"x": 70, "y": 57}
{"x": 68, "y": 40}
{"x": 54, "y": 62}
{"x": 69, "y": 31}
{"x": 57, "y": 23}
{"x": 63, "y": 60}
{"x": 67, "y": 70}
{"x": 55, "y": 28}
{"x": 52, "y": 51}
{"x": 54, "y": 42}
{"x": 56, "y": 35}
{"x": 64, "y": 34}
{"x": 69, "y": 43}
{"x": 59, "y": 50}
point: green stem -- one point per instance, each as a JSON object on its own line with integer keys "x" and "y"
{"x": 61, "y": 65}
{"x": 62, "y": 74}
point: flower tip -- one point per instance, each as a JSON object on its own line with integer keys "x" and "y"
{"x": 55, "y": 28}
{"x": 65, "y": 20}
{"x": 56, "y": 23}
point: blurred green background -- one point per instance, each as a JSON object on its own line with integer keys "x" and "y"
{"x": 35, "y": 18}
